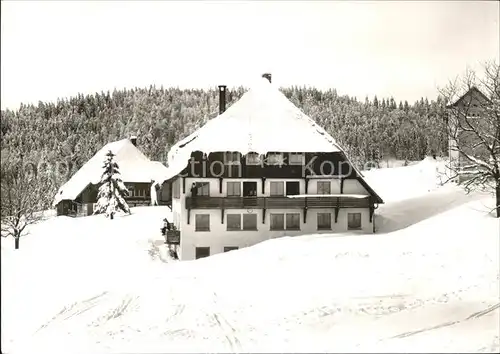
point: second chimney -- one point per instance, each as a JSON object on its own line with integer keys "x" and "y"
{"x": 267, "y": 76}
{"x": 133, "y": 140}
{"x": 222, "y": 98}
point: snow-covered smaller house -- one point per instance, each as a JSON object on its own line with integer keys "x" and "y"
{"x": 78, "y": 195}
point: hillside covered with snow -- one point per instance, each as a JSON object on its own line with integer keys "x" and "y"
{"x": 427, "y": 281}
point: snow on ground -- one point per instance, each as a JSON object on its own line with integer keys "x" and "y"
{"x": 65, "y": 259}
{"x": 427, "y": 282}
{"x": 417, "y": 179}
{"x": 392, "y": 162}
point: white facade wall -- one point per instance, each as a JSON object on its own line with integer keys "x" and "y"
{"x": 454, "y": 158}
{"x": 178, "y": 204}
{"x": 177, "y": 207}
{"x": 312, "y": 187}
{"x": 352, "y": 186}
{"x": 219, "y": 237}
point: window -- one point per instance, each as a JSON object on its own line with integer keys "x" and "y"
{"x": 202, "y": 222}
{"x": 230, "y": 248}
{"x": 203, "y": 188}
{"x": 275, "y": 158}
{"x": 253, "y": 158}
{"x": 249, "y": 221}
{"x": 353, "y": 221}
{"x": 277, "y": 221}
{"x": 233, "y": 189}
{"x": 131, "y": 190}
{"x": 324, "y": 221}
{"x": 292, "y": 188}
{"x": 233, "y": 222}
{"x": 176, "y": 189}
{"x": 249, "y": 189}
{"x": 323, "y": 187}
{"x": 296, "y": 158}
{"x": 202, "y": 252}
{"x": 293, "y": 221}
{"x": 277, "y": 188}
{"x": 231, "y": 158}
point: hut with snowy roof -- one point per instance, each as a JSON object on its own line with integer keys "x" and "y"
{"x": 78, "y": 195}
{"x": 262, "y": 169}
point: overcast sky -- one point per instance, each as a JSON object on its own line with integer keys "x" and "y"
{"x": 399, "y": 48}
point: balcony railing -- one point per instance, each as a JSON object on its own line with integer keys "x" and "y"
{"x": 205, "y": 202}
{"x": 134, "y": 201}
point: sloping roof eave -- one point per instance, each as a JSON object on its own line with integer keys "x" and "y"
{"x": 460, "y": 99}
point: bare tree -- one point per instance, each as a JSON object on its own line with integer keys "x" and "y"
{"x": 23, "y": 196}
{"x": 473, "y": 125}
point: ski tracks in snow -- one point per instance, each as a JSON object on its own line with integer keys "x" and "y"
{"x": 474, "y": 316}
{"x": 75, "y": 309}
{"x": 204, "y": 315}
{"x": 225, "y": 326}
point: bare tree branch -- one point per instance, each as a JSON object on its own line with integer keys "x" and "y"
{"x": 23, "y": 197}
{"x": 473, "y": 127}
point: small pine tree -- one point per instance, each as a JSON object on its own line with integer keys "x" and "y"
{"x": 111, "y": 194}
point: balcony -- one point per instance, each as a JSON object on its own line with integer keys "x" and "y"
{"x": 303, "y": 202}
{"x": 294, "y": 202}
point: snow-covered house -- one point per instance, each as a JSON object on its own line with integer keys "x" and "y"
{"x": 78, "y": 195}
{"x": 463, "y": 116}
{"x": 262, "y": 169}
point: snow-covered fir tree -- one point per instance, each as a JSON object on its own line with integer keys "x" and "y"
{"x": 112, "y": 191}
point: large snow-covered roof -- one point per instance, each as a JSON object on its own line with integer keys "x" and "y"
{"x": 134, "y": 167}
{"x": 262, "y": 121}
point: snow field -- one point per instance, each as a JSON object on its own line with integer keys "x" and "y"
{"x": 428, "y": 281}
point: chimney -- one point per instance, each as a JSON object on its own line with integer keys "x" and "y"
{"x": 267, "y": 76}
{"x": 133, "y": 140}
{"x": 222, "y": 98}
